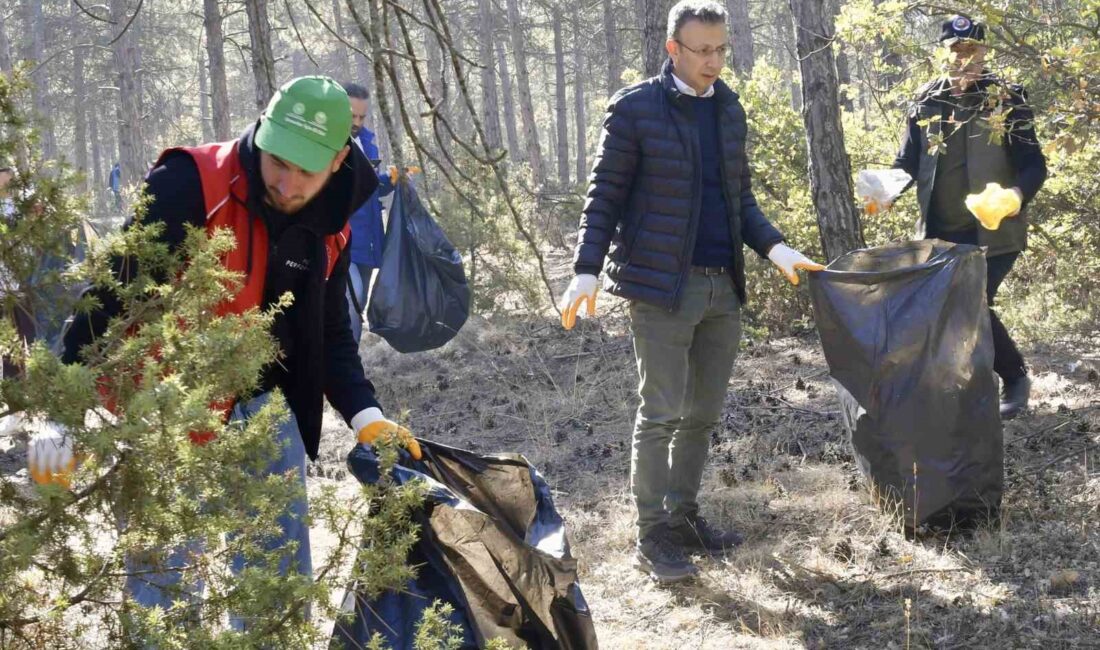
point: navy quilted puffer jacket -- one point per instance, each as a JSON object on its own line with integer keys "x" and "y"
{"x": 645, "y": 189}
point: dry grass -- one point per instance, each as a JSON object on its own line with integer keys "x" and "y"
{"x": 821, "y": 567}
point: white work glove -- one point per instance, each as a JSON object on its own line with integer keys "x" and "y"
{"x": 879, "y": 188}
{"x": 581, "y": 290}
{"x": 789, "y": 261}
{"x": 370, "y": 425}
{"x": 50, "y": 456}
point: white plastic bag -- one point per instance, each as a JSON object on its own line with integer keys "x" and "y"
{"x": 879, "y": 188}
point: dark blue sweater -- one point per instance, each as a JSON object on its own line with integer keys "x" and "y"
{"x": 713, "y": 244}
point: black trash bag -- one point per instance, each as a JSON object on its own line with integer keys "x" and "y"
{"x": 907, "y": 336}
{"x": 491, "y": 544}
{"x": 420, "y": 298}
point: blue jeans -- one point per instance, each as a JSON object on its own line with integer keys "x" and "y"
{"x": 359, "y": 278}
{"x": 150, "y": 589}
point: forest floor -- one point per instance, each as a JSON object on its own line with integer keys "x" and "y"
{"x": 822, "y": 567}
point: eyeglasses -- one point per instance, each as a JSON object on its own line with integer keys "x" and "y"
{"x": 706, "y": 52}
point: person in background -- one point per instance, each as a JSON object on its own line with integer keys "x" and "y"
{"x": 957, "y": 108}
{"x": 114, "y": 185}
{"x": 367, "y": 234}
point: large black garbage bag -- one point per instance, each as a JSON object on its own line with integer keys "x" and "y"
{"x": 906, "y": 333}
{"x": 420, "y": 298}
{"x": 491, "y": 544}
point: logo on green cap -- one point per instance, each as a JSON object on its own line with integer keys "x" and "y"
{"x": 307, "y": 122}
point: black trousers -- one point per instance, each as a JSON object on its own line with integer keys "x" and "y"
{"x": 1007, "y": 360}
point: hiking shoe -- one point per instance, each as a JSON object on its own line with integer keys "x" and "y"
{"x": 661, "y": 557}
{"x": 1014, "y": 396}
{"x": 695, "y": 532}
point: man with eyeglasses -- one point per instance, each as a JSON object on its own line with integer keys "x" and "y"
{"x": 671, "y": 190}
{"x": 958, "y": 111}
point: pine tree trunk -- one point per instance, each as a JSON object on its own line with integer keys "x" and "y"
{"x": 533, "y": 154}
{"x": 376, "y": 11}
{"x": 343, "y": 66}
{"x": 204, "y": 101}
{"x": 614, "y": 49}
{"x": 80, "y": 101}
{"x": 215, "y": 56}
{"x": 35, "y": 22}
{"x": 99, "y": 192}
{"x": 127, "y": 62}
{"x": 741, "y": 37}
{"x": 830, "y": 168}
{"x": 562, "y": 110}
{"x": 490, "y": 109}
{"x": 843, "y": 74}
{"x": 263, "y": 58}
{"x": 579, "y": 119}
{"x": 653, "y": 22}
{"x": 509, "y": 106}
{"x": 787, "y": 52}
{"x": 5, "y": 47}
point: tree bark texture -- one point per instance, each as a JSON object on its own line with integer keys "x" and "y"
{"x": 614, "y": 49}
{"x": 653, "y": 22}
{"x": 99, "y": 186}
{"x": 35, "y": 22}
{"x": 5, "y": 47}
{"x": 127, "y": 62}
{"x": 343, "y": 65}
{"x": 741, "y": 37}
{"x": 215, "y": 63}
{"x": 204, "y": 101}
{"x": 579, "y": 119}
{"x": 80, "y": 105}
{"x": 830, "y": 168}
{"x": 533, "y": 154}
{"x": 510, "y": 129}
{"x": 561, "y": 104}
{"x": 490, "y": 108}
{"x": 263, "y": 57}
{"x": 784, "y": 21}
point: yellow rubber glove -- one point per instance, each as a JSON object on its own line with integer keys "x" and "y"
{"x": 581, "y": 290}
{"x": 994, "y": 204}
{"x": 790, "y": 261}
{"x": 377, "y": 427}
{"x": 50, "y": 456}
{"x": 408, "y": 170}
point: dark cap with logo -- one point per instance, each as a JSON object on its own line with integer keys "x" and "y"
{"x": 961, "y": 28}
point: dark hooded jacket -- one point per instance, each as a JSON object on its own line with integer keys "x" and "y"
{"x": 320, "y": 356}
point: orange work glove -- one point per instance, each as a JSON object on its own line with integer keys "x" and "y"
{"x": 582, "y": 290}
{"x": 789, "y": 261}
{"x": 50, "y": 456}
{"x": 372, "y": 426}
{"x": 408, "y": 170}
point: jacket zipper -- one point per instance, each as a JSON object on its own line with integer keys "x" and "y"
{"x": 693, "y": 223}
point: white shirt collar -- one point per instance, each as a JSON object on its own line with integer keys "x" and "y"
{"x": 688, "y": 90}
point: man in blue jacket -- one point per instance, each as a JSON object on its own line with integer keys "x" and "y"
{"x": 671, "y": 190}
{"x": 367, "y": 234}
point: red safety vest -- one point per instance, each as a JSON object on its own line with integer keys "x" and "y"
{"x": 225, "y": 196}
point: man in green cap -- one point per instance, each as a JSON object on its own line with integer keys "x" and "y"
{"x": 285, "y": 188}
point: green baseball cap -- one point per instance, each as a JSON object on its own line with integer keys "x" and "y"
{"x": 307, "y": 122}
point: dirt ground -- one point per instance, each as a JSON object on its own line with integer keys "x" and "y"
{"x": 822, "y": 567}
